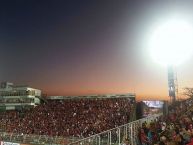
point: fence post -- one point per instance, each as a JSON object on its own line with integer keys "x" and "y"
{"x": 132, "y": 133}
{"x": 99, "y": 140}
{"x": 125, "y": 131}
{"x": 119, "y": 135}
{"x": 110, "y": 138}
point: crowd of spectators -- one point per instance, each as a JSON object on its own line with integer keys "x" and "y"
{"x": 173, "y": 129}
{"x": 16, "y": 100}
{"x": 78, "y": 117}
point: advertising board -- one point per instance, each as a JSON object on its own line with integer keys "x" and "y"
{"x": 9, "y": 143}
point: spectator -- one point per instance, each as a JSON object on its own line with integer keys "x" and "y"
{"x": 143, "y": 137}
{"x": 163, "y": 140}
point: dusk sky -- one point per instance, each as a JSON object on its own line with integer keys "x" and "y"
{"x": 81, "y": 47}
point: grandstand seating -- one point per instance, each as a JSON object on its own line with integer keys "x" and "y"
{"x": 78, "y": 118}
{"x": 172, "y": 129}
{"x": 85, "y": 117}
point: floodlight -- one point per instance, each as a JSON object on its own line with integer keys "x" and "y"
{"x": 171, "y": 43}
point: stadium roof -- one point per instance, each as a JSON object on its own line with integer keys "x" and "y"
{"x": 129, "y": 95}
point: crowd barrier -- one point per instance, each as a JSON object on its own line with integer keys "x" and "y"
{"x": 116, "y": 135}
{"x": 31, "y": 139}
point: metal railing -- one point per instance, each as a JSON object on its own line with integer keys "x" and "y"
{"x": 117, "y": 135}
{"x": 35, "y": 139}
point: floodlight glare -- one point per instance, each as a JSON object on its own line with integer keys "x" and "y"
{"x": 171, "y": 43}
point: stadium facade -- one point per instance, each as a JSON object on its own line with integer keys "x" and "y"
{"x": 16, "y": 97}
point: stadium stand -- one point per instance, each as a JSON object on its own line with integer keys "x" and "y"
{"x": 68, "y": 118}
{"x": 100, "y": 120}
{"x": 172, "y": 129}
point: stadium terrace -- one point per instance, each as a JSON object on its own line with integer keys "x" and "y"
{"x": 26, "y": 117}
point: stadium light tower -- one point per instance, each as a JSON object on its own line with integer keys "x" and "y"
{"x": 171, "y": 43}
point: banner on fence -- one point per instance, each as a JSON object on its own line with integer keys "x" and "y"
{"x": 9, "y": 143}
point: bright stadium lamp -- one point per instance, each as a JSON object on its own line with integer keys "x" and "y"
{"x": 171, "y": 44}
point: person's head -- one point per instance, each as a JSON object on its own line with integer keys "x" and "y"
{"x": 127, "y": 141}
{"x": 174, "y": 133}
{"x": 142, "y": 130}
{"x": 183, "y": 129}
{"x": 177, "y": 131}
{"x": 190, "y": 126}
{"x": 143, "y": 125}
{"x": 163, "y": 139}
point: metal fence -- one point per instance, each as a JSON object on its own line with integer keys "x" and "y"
{"x": 117, "y": 135}
{"x": 35, "y": 139}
